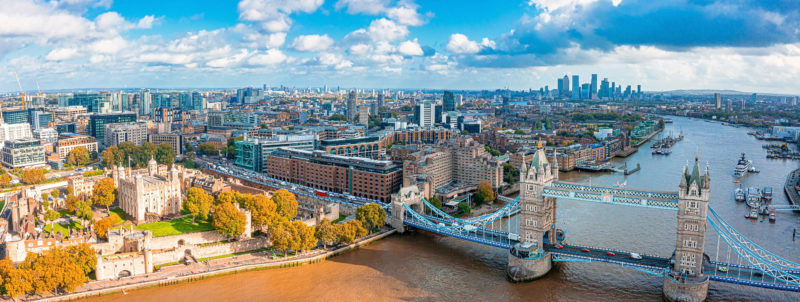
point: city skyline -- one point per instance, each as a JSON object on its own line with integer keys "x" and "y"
{"x": 748, "y": 47}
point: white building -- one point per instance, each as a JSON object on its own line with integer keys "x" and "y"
{"x": 426, "y": 112}
{"x": 12, "y": 132}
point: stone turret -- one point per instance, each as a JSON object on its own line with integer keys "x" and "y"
{"x": 686, "y": 280}
{"x": 152, "y": 166}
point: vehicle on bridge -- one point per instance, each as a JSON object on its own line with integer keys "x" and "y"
{"x": 636, "y": 256}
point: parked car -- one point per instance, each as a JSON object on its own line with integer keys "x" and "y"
{"x": 636, "y": 256}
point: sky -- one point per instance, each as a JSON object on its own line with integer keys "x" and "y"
{"x": 750, "y": 46}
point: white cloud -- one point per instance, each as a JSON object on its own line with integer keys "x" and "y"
{"x": 486, "y": 43}
{"x": 274, "y": 14}
{"x": 386, "y": 30}
{"x": 108, "y": 46}
{"x": 228, "y": 61}
{"x": 333, "y": 59}
{"x": 270, "y": 57}
{"x": 410, "y": 48}
{"x": 371, "y": 7}
{"x": 60, "y": 54}
{"x": 28, "y": 19}
{"x": 460, "y": 44}
{"x": 406, "y": 15}
{"x": 146, "y": 22}
{"x": 311, "y": 43}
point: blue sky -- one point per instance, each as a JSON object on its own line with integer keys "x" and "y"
{"x": 683, "y": 44}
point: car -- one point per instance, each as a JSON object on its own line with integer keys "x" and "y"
{"x": 610, "y": 253}
{"x": 558, "y": 246}
{"x": 722, "y": 269}
{"x": 585, "y": 250}
{"x": 636, "y": 256}
{"x": 758, "y": 274}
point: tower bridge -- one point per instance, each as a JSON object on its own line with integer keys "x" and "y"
{"x": 686, "y": 273}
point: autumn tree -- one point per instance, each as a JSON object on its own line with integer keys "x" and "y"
{"x": 326, "y": 232}
{"x": 262, "y": 211}
{"x": 485, "y": 192}
{"x": 55, "y": 193}
{"x": 305, "y": 240}
{"x": 286, "y": 203}
{"x": 78, "y": 156}
{"x": 371, "y": 216}
{"x": 226, "y": 197}
{"x": 228, "y": 220}
{"x": 346, "y": 232}
{"x": 197, "y": 203}
{"x": 5, "y": 179}
{"x": 32, "y": 176}
{"x": 101, "y": 227}
{"x": 112, "y": 156}
{"x": 280, "y": 235}
{"x": 18, "y": 282}
{"x": 72, "y": 202}
{"x": 104, "y": 192}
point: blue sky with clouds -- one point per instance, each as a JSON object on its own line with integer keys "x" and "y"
{"x": 682, "y": 44}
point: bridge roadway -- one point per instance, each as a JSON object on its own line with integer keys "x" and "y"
{"x": 613, "y": 195}
{"x": 601, "y": 255}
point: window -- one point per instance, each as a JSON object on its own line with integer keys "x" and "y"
{"x": 691, "y": 227}
{"x": 690, "y": 243}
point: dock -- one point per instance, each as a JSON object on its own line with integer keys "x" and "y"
{"x": 789, "y": 188}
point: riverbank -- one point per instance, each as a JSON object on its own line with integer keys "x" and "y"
{"x": 647, "y": 138}
{"x": 789, "y": 187}
{"x": 212, "y": 268}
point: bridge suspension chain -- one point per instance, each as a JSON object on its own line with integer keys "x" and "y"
{"x": 750, "y": 245}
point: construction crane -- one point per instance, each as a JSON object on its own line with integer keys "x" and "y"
{"x": 20, "y": 89}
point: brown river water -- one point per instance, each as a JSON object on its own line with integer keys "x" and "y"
{"x": 420, "y": 266}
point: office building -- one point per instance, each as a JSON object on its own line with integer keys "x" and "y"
{"x": 251, "y": 154}
{"x": 145, "y": 102}
{"x": 117, "y": 133}
{"x": 46, "y": 135}
{"x": 717, "y": 100}
{"x": 352, "y": 102}
{"x": 173, "y": 139}
{"x": 66, "y": 143}
{"x": 576, "y": 88}
{"x": 448, "y": 101}
{"x": 69, "y": 113}
{"x": 12, "y": 132}
{"x": 15, "y": 116}
{"x": 97, "y": 122}
{"x": 363, "y": 115}
{"x": 565, "y": 82}
{"x": 363, "y": 177}
{"x": 425, "y": 114}
{"x": 23, "y": 153}
{"x": 593, "y": 88}
{"x": 40, "y": 119}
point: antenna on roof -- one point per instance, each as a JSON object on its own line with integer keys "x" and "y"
{"x": 697, "y": 154}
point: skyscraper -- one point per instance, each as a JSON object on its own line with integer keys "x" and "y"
{"x": 613, "y": 90}
{"x": 560, "y": 85}
{"x": 363, "y": 115}
{"x": 593, "y": 88}
{"x": 425, "y": 112}
{"x": 380, "y": 101}
{"x": 718, "y": 99}
{"x": 603, "y": 88}
{"x": 145, "y": 102}
{"x": 449, "y": 101}
{"x": 352, "y": 99}
{"x": 565, "y": 81}
{"x": 576, "y": 88}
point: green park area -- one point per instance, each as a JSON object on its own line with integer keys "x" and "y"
{"x": 63, "y": 228}
{"x": 176, "y": 226}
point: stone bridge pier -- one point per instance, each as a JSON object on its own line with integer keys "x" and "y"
{"x": 410, "y": 196}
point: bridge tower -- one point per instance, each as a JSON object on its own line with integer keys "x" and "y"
{"x": 685, "y": 280}
{"x": 528, "y": 260}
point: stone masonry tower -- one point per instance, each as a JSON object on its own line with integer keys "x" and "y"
{"x": 685, "y": 280}
{"x": 528, "y": 260}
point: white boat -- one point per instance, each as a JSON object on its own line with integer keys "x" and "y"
{"x": 753, "y": 196}
{"x": 738, "y": 194}
{"x": 742, "y": 167}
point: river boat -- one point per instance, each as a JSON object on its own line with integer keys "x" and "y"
{"x": 738, "y": 194}
{"x": 771, "y": 214}
{"x": 766, "y": 193}
{"x": 753, "y": 197}
{"x": 753, "y": 214}
{"x": 742, "y": 167}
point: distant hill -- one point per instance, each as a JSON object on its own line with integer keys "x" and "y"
{"x": 712, "y": 91}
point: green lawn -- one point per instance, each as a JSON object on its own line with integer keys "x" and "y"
{"x": 63, "y": 228}
{"x": 176, "y": 226}
{"x": 117, "y": 216}
{"x": 341, "y": 217}
{"x": 2, "y": 203}
{"x": 65, "y": 213}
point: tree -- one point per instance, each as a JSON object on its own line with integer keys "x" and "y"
{"x": 435, "y": 202}
{"x": 19, "y": 282}
{"x": 372, "y": 216}
{"x": 346, "y": 232}
{"x": 84, "y": 211}
{"x": 78, "y": 156}
{"x": 485, "y": 192}
{"x": 5, "y": 179}
{"x": 305, "y": 236}
{"x": 45, "y": 196}
{"x": 286, "y": 203}
{"x": 280, "y": 235}
{"x": 326, "y": 232}
{"x": 55, "y": 193}
{"x": 263, "y": 211}
{"x": 113, "y": 156}
{"x": 464, "y": 207}
{"x": 51, "y": 216}
{"x": 510, "y": 173}
{"x": 101, "y": 227}
{"x": 207, "y": 149}
{"x": 226, "y": 197}
{"x": 228, "y": 220}
{"x": 337, "y": 117}
{"x": 72, "y": 202}
{"x": 197, "y": 203}
{"x": 165, "y": 154}
{"x": 32, "y": 176}
{"x": 104, "y": 192}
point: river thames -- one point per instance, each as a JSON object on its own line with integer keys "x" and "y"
{"x": 422, "y": 266}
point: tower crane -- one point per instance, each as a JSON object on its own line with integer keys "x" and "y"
{"x": 20, "y": 89}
